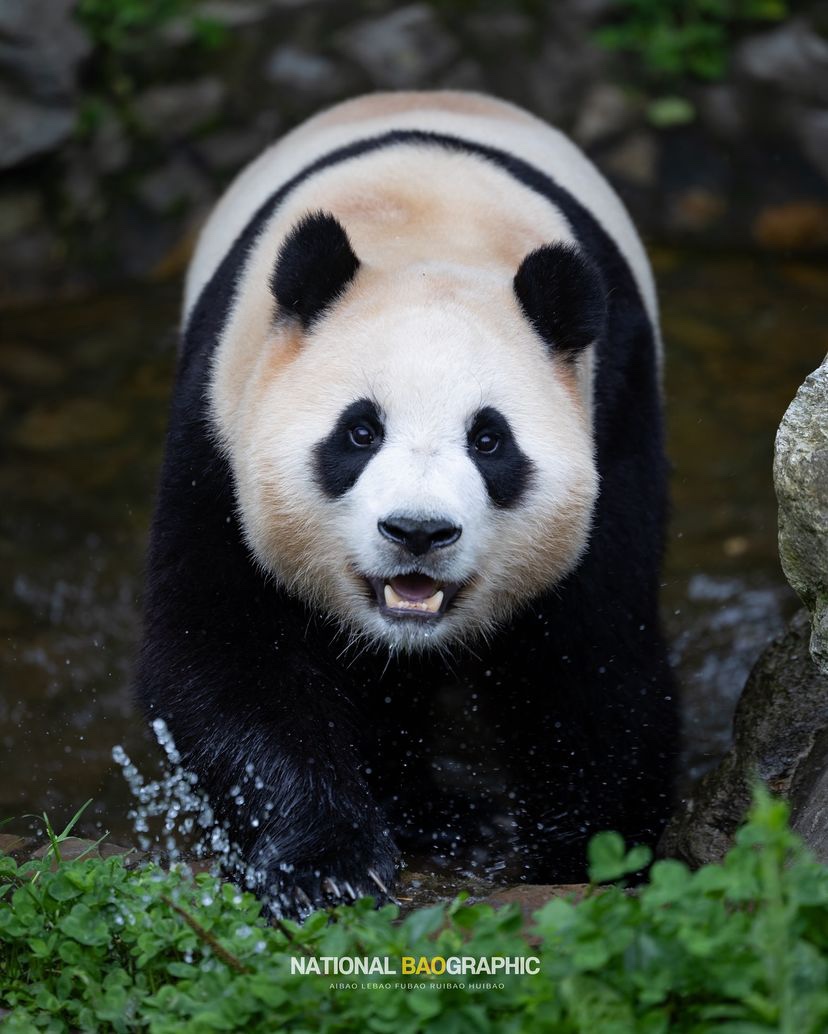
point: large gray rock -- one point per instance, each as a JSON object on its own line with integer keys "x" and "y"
{"x": 801, "y": 476}
{"x": 780, "y": 729}
{"x": 779, "y": 737}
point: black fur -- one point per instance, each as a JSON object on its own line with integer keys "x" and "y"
{"x": 562, "y": 294}
{"x": 315, "y": 265}
{"x": 338, "y": 462}
{"x": 565, "y": 721}
{"x": 507, "y": 471}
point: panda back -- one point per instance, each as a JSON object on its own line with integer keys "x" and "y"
{"x": 468, "y": 117}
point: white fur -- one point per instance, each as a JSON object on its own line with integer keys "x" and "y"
{"x": 432, "y": 331}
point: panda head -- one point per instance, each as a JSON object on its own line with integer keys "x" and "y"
{"x": 412, "y": 450}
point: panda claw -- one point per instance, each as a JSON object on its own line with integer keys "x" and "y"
{"x": 382, "y": 887}
{"x": 350, "y": 890}
{"x": 330, "y": 885}
{"x": 303, "y": 898}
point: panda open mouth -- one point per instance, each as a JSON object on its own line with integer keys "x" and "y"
{"x": 413, "y": 595}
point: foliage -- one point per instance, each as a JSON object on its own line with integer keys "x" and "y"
{"x": 123, "y": 26}
{"x": 677, "y": 40}
{"x": 680, "y": 37}
{"x": 124, "y": 34}
{"x": 740, "y": 947}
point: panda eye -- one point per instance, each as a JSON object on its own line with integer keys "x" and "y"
{"x": 486, "y": 442}
{"x": 362, "y": 436}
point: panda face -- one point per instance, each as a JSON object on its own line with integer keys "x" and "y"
{"x": 414, "y": 463}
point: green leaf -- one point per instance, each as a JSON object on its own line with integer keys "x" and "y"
{"x": 62, "y": 887}
{"x": 664, "y": 112}
{"x": 84, "y": 926}
{"x": 426, "y": 921}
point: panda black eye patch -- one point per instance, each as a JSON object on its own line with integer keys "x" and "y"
{"x": 506, "y": 470}
{"x": 347, "y": 450}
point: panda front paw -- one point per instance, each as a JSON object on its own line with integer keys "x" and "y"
{"x": 334, "y": 878}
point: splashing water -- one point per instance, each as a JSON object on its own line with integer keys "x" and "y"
{"x": 174, "y": 820}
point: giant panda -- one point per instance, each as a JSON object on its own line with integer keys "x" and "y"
{"x": 402, "y": 585}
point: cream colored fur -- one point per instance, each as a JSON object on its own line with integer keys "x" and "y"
{"x": 468, "y": 116}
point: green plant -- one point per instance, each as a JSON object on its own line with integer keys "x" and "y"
{"x": 684, "y": 37}
{"x": 740, "y": 947}
{"x": 121, "y": 25}
{"x": 123, "y": 33}
{"x": 677, "y": 40}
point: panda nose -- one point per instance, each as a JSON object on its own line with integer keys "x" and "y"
{"x": 418, "y": 537}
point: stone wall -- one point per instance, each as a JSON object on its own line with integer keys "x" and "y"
{"x": 108, "y": 160}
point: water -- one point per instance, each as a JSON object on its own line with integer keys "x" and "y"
{"x": 83, "y": 395}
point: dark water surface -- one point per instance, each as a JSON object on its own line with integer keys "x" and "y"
{"x": 83, "y": 395}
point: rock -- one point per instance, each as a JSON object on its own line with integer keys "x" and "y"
{"x": 110, "y": 144}
{"x": 311, "y": 75}
{"x": 779, "y": 734}
{"x": 723, "y": 110}
{"x": 554, "y": 83}
{"x": 532, "y": 896}
{"x": 793, "y": 58}
{"x": 28, "y": 128}
{"x": 809, "y": 798}
{"x": 229, "y": 149}
{"x": 605, "y": 111}
{"x": 811, "y": 130}
{"x": 402, "y": 50}
{"x": 234, "y": 13}
{"x": 76, "y": 847}
{"x": 634, "y": 160}
{"x": 492, "y": 30}
{"x": 800, "y": 473}
{"x": 173, "y": 112}
{"x": 12, "y": 844}
{"x": 41, "y": 47}
{"x": 465, "y": 75}
{"x": 176, "y": 185}
{"x": 792, "y": 226}
{"x": 183, "y": 30}
{"x": 780, "y": 729}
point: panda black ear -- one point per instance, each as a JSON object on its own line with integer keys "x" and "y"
{"x": 315, "y": 264}
{"x": 562, "y": 295}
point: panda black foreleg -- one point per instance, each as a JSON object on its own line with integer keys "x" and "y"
{"x": 603, "y": 757}
{"x": 278, "y": 763}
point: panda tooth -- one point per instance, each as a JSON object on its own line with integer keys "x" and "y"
{"x": 394, "y": 601}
